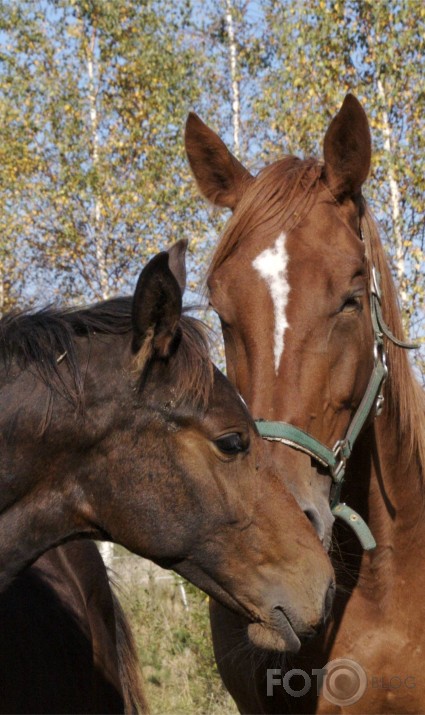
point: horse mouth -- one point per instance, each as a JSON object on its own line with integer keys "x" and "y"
{"x": 278, "y": 635}
{"x": 207, "y": 583}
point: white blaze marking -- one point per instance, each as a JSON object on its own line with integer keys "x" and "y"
{"x": 272, "y": 265}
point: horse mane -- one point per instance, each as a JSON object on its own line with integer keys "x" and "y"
{"x": 44, "y": 339}
{"x": 278, "y": 200}
{"x": 404, "y": 395}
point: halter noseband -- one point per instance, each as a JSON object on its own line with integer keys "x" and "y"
{"x": 335, "y": 459}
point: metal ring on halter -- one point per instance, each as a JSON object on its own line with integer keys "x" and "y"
{"x": 338, "y": 471}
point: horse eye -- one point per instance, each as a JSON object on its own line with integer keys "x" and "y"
{"x": 231, "y": 443}
{"x": 351, "y": 304}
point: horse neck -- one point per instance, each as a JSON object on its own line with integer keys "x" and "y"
{"x": 41, "y": 504}
{"x": 385, "y": 478}
{"x": 29, "y": 527}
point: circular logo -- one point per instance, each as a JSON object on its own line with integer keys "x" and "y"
{"x": 344, "y": 683}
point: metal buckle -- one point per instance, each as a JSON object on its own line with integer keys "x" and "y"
{"x": 379, "y": 405}
{"x": 375, "y": 283}
{"x": 379, "y": 354}
{"x": 338, "y": 471}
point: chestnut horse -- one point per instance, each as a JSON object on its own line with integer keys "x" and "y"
{"x": 309, "y": 315}
{"x": 116, "y": 425}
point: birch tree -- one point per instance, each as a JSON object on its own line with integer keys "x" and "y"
{"x": 94, "y": 96}
{"x": 234, "y": 75}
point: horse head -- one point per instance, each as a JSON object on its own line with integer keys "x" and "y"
{"x": 290, "y": 282}
{"x": 147, "y": 444}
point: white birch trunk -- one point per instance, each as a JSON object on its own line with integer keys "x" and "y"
{"x": 94, "y": 126}
{"x": 233, "y": 77}
{"x": 106, "y": 549}
{"x": 394, "y": 192}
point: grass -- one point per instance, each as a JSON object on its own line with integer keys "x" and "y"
{"x": 174, "y": 646}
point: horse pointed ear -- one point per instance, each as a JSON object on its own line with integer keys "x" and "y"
{"x": 177, "y": 262}
{"x": 221, "y": 178}
{"x": 157, "y": 308}
{"x": 347, "y": 149}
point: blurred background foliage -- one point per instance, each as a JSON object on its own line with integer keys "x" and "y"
{"x": 180, "y": 675}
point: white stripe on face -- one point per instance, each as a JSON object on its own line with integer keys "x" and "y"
{"x": 272, "y": 265}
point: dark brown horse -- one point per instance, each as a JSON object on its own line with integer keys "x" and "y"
{"x": 116, "y": 425}
{"x": 65, "y": 645}
{"x": 309, "y": 314}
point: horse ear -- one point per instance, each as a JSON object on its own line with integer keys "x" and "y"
{"x": 220, "y": 176}
{"x": 177, "y": 262}
{"x": 157, "y": 308}
{"x": 347, "y": 149}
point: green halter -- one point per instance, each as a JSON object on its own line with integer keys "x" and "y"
{"x": 335, "y": 459}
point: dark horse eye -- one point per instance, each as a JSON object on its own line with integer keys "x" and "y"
{"x": 351, "y": 304}
{"x": 231, "y": 443}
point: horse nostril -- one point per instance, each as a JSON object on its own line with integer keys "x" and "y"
{"x": 315, "y": 519}
{"x": 330, "y": 594}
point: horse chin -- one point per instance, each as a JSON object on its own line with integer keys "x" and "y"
{"x": 268, "y": 638}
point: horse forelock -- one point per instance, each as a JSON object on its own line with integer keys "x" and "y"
{"x": 276, "y": 201}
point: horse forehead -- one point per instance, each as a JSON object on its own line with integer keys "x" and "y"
{"x": 272, "y": 265}
{"x": 327, "y": 237}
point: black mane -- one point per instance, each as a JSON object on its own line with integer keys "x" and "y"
{"x": 45, "y": 338}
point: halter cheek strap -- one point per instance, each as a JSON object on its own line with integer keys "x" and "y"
{"x": 335, "y": 459}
